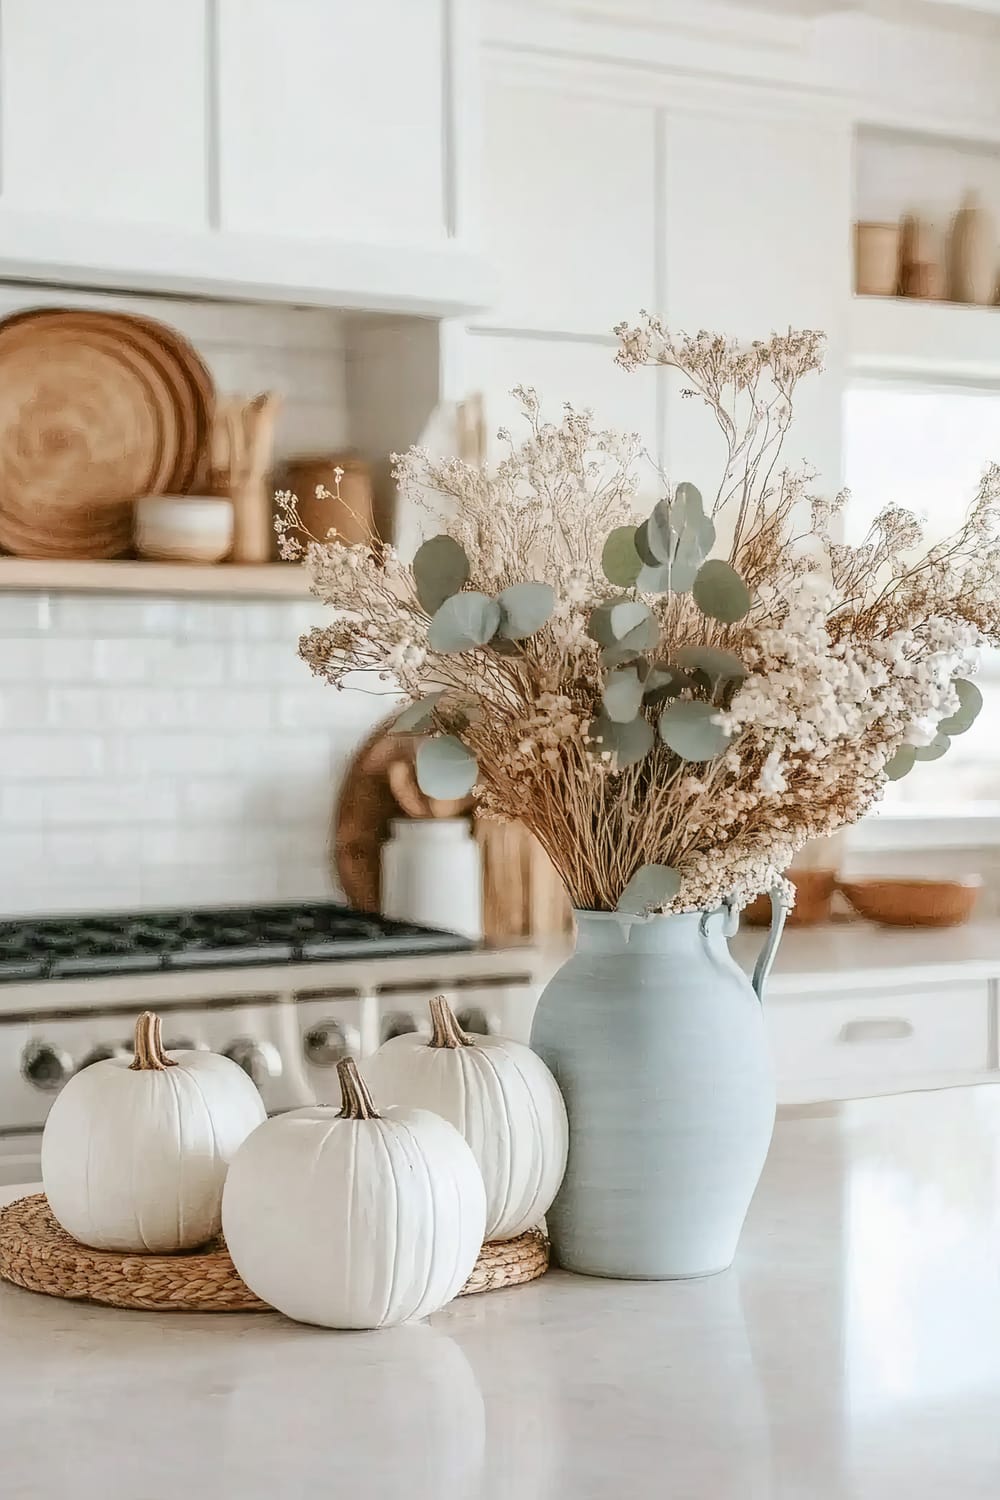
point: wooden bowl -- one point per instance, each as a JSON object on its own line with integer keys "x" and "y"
{"x": 913, "y": 903}
{"x": 813, "y": 890}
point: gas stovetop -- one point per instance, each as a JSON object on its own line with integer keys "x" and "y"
{"x": 74, "y": 947}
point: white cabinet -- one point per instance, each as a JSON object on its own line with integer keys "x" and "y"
{"x": 756, "y": 207}
{"x": 104, "y": 109}
{"x": 584, "y": 374}
{"x": 304, "y": 151}
{"x": 334, "y": 118}
{"x": 569, "y": 207}
{"x": 879, "y": 1041}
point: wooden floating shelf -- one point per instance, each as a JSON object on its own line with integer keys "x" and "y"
{"x": 219, "y": 581}
{"x": 910, "y": 337}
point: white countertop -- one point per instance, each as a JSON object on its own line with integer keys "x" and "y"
{"x": 840, "y": 955}
{"x": 853, "y": 1353}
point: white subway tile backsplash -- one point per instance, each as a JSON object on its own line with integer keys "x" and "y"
{"x": 87, "y": 617}
{"x": 219, "y": 800}
{"x": 35, "y": 658}
{"x": 22, "y": 614}
{"x": 169, "y": 755}
{"x": 45, "y": 757}
{"x": 93, "y": 848}
{"x": 23, "y": 707}
{"x": 92, "y": 803}
{"x": 125, "y": 660}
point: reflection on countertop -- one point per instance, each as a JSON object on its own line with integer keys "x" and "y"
{"x": 853, "y": 1353}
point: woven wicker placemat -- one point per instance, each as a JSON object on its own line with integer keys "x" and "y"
{"x": 36, "y": 1254}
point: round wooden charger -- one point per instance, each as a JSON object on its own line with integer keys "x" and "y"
{"x": 36, "y": 1254}
{"x": 96, "y": 409}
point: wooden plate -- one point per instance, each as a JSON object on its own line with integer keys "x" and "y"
{"x": 95, "y": 409}
{"x": 195, "y": 397}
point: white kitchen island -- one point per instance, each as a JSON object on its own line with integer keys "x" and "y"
{"x": 853, "y": 1353}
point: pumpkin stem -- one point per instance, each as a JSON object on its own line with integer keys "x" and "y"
{"x": 149, "y": 1054}
{"x": 358, "y": 1103}
{"x": 447, "y": 1032}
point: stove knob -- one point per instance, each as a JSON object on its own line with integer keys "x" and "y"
{"x": 44, "y": 1066}
{"x": 102, "y": 1054}
{"x": 260, "y": 1060}
{"x": 326, "y": 1044}
{"x": 397, "y": 1023}
{"x": 475, "y": 1021}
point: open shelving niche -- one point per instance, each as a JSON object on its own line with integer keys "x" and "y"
{"x": 901, "y": 172}
{"x": 396, "y": 383}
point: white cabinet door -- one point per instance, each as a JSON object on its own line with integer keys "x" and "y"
{"x": 104, "y": 109}
{"x": 561, "y": 370}
{"x": 831, "y": 1047}
{"x": 336, "y": 119}
{"x": 568, "y": 206}
{"x": 757, "y": 212}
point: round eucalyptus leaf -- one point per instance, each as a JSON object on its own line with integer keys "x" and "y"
{"x": 643, "y": 638}
{"x": 705, "y": 532}
{"x": 938, "y": 746}
{"x": 632, "y": 616}
{"x": 687, "y": 561}
{"x": 622, "y": 698}
{"x": 689, "y": 495}
{"x": 440, "y": 569}
{"x": 662, "y": 531}
{"x": 524, "y": 608}
{"x": 652, "y": 886}
{"x": 690, "y": 730}
{"x": 970, "y": 701}
{"x": 627, "y": 742}
{"x": 599, "y": 624}
{"x": 635, "y": 741}
{"x": 901, "y": 763}
{"x": 719, "y": 665}
{"x": 653, "y": 580}
{"x": 620, "y": 560}
{"x": 418, "y": 717}
{"x": 664, "y": 682}
{"x": 720, "y": 592}
{"x": 463, "y": 622}
{"x": 445, "y": 768}
{"x": 646, "y": 553}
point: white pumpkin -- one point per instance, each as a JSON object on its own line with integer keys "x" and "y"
{"x": 502, "y": 1098}
{"x": 352, "y": 1219}
{"x": 134, "y": 1154}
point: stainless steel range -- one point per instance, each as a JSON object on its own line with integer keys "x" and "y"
{"x": 284, "y": 990}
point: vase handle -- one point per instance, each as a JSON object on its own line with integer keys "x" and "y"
{"x": 762, "y": 968}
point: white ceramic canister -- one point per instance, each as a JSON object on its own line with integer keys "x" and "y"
{"x": 432, "y": 875}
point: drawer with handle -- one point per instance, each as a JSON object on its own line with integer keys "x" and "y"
{"x": 859, "y": 1039}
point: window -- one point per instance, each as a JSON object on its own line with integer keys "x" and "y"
{"x": 926, "y": 448}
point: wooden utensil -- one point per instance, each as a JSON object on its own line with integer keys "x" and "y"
{"x": 241, "y": 450}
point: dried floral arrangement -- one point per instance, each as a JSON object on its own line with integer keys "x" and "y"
{"x": 672, "y": 704}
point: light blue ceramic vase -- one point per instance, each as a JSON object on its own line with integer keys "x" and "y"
{"x": 656, "y": 1037}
